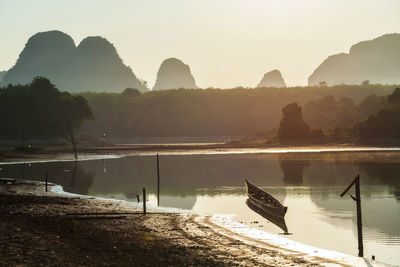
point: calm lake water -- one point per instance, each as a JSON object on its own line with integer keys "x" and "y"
{"x": 308, "y": 183}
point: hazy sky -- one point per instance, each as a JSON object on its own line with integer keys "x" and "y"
{"x": 227, "y": 43}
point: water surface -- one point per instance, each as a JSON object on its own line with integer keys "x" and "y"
{"x": 308, "y": 183}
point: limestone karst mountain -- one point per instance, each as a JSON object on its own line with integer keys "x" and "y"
{"x": 92, "y": 66}
{"x": 98, "y": 62}
{"x": 174, "y": 74}
{"x": 272, "y": 79}
{"x": 45, "y": 54}
{"x": 376, "y": 61}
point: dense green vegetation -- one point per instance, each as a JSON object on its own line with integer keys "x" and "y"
{"x": 373, "y": 118}
{"x": 215, "y": 112}
{"x": 328, "y": 113}
{"x": 386, "y": 123}
{"x": 40, "y": 110}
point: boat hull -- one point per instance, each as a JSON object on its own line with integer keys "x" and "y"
{"x": 277, "y": 220}
{"x": 265, "y": 201}
{"x": 273, "y": 211}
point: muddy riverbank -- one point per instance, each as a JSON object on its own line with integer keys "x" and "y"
{"x": 39, "y": 228}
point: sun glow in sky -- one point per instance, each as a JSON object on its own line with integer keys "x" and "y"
{"x": 227, "y": 43}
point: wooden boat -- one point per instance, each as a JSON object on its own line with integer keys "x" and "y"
{"x": 277, "y": 220}
{"x": 265, "y": 201}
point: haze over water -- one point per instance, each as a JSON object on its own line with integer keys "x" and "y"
{"x": 308, "y": 183}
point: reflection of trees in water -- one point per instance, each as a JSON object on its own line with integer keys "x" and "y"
{"x": 379, "y": 214}
{"x": 387, "y": 173}
{"x": 293, "y": 170}
{"x": 183, "y": 175}
{"x": 70, "y": 175}
{"x": 80, "y": 181}
{"x": 210, "y": 174}
{"x": 376, "y": 176}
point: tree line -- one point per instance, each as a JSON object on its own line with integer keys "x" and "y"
{"x": 373, "y": 118}
{"x": 39, "y": 110}
{"x": 217, "y": 112}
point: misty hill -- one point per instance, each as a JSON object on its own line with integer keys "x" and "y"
{"x": 94, "y": 65}
{"x": 377, "y": 61}
{"x": 174, "y": 74}
{"x": 272, "y": 79}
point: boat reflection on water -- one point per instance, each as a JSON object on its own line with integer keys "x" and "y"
{"x": 277, "y": 220}
{"x": 266, "y": 205}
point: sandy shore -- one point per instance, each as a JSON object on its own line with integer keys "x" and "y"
{"x": 39, "y": 228}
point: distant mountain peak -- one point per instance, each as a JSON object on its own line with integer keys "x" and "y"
{"x": 272, "y": 79}
{"x": 174, "y": 74}
{"x": 96, "y": 43}
{"x": 47, "y": 44}
{"x": 52, "y": 36}
{"x": 92, "y": 66}
{"x": 377, "y": 61}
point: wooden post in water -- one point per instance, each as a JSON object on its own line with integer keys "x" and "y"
{"x": 144, "y": 201}
{"x": 46, "y": 181}
{"x": 158, "y": 181}
{"x": 357, "y": 199}
{"x": 359, "y": 222}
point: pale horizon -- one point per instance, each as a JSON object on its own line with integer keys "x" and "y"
{"x": 225, "y": 43}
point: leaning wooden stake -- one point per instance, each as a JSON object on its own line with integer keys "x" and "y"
{"x": 359, "y": 222}
{"x": 144, "y": 201}
{"x": 46, "y": 181}
{"x": 158, "y": 181}
{"x": 357, "y": 199}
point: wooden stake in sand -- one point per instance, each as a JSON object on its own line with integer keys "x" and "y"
{"x": 144, "y": 201}
{"x": 158, "y": 181}
{"x": 46, "y": 181}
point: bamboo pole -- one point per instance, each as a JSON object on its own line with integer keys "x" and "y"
{"x": 158, "y": 181}
{"x": 357, "y": 199}
{"x": 359, "y": 221}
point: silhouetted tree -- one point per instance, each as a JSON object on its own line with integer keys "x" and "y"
{"x": 292, "y": 126}
{"x": 370, "y": 105}
{"x": 39, "y": 110}
{"x": 317, "y": 134}
{"x": 365, "y": 83}
{"x": 336, "y": 133}
{"x": 131, "y": 92}
{"x": 323, "y": 84}
{"x": 394, "y": 98}
{"x": 329, "y": 113}
{"x": 386, "y": 123}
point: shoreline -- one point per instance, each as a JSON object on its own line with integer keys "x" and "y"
{"x": 103, "y": 153}
{"x": 180, "y": 237}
